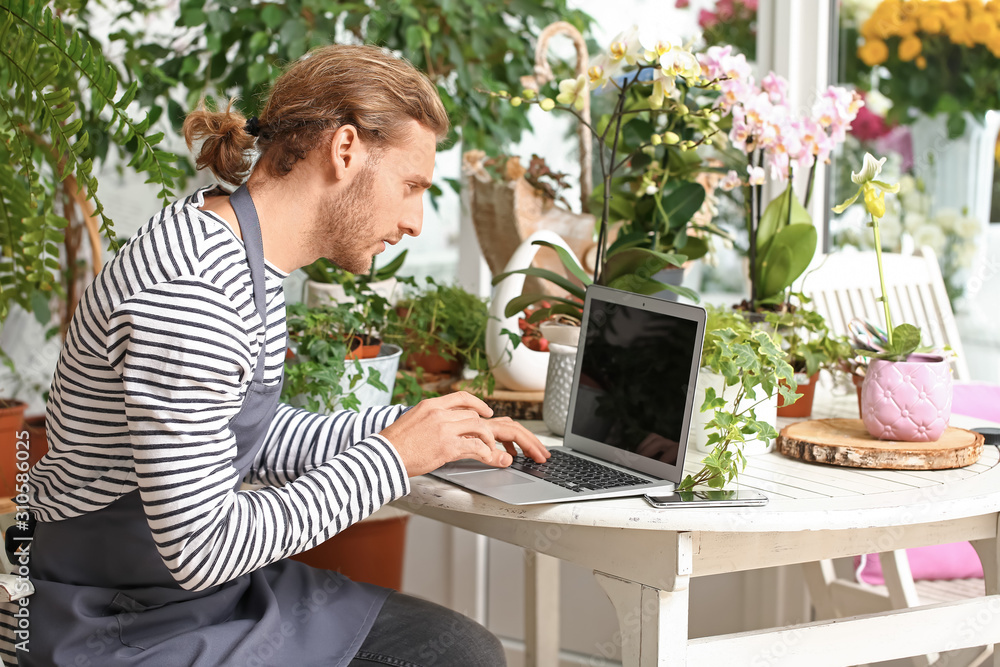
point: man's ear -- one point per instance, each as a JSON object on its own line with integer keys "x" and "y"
{"x": 346, "y": 151}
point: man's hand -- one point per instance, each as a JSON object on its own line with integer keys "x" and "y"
{"x": 454, "y": 427}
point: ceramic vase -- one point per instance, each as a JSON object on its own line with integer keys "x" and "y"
{"x": 766, "y": 411}
{"x": 558, "y": 386}
{"x": 521, "y": 368}
{"x": 958, "y": 172}
{"x": 909, "y": 401}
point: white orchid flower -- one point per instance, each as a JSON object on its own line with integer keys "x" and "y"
{"x": 625, "y": 46}
{"x": 573, "y": 92}
{"x": 680, "y": 62}
{"x": 872, "y": 189}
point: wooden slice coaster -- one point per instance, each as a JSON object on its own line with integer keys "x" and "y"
{"x": 513, "y": 404}
{"x": 846, "y": 442}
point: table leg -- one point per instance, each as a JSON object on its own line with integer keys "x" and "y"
{"x": 541, "y": 601}
{"x": 989, "y": 554}
{"x": 653, "y": 622}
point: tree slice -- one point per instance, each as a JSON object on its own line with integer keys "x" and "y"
{"x": 846, "y": 442}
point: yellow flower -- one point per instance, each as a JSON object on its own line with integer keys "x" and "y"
{"x": 907, "y": 28}
{"x": 932, "y": 22}
{"x": 910, "y": 48}
{"x": 982, "y": 29}
{"x": 921, "y": 62}
{"x": 873, "y": 52}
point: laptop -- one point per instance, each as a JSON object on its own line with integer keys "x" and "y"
{"x": 629, "y": 413}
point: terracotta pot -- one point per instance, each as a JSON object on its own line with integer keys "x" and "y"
{"x": 433, "y": 363}
{"x": 909, "y": 401}
{"x": 858, "y": 381}
{"x": 370, "y": 551}
{"x": 13, "y": 438}
{"x": 364, "y": 348}
{"x": 804, "y": 406}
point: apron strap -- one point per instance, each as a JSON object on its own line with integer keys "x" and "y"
{"x": 246, "y": 216}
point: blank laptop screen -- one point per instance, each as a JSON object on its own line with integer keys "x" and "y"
{"x": 634, "y": 378}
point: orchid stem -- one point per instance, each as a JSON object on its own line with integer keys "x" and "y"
{"x": 881, "y": 278}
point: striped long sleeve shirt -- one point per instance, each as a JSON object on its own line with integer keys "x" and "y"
{"x": 158, "y": 358}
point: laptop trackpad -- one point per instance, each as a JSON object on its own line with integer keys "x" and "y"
{"x": 494, "y": 478}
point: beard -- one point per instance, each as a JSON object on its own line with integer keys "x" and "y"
{"x": 344, "y": 227}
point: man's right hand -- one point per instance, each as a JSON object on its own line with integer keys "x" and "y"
{"x": 454, "y": 427}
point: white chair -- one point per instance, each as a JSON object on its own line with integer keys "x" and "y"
{"x": 845, "y": 285}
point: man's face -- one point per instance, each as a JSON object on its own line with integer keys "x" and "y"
{"x": 380, "y": 204}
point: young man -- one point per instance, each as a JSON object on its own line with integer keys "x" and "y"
{"x": 147, "y": 552}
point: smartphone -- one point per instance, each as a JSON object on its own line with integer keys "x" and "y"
{"x": 710, "y": 498}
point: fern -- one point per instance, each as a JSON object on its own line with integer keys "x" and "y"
{"x": 54, "y": 84}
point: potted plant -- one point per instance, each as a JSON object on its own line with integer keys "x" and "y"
{"x": 442, "y": 329}
{"x": 324, "y": 370}
{"x": 906, "y": 395}
{"x": 749, "y": 367}
{"x": 326, "y": 282}
{"x": 809, "y": 347}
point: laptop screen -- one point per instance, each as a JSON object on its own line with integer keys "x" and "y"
{"x": 637, "y": 368}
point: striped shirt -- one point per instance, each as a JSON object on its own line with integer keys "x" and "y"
{"x": 157, "y": 361}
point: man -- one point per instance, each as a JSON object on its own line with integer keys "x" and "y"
{"x": 147, "y": 552}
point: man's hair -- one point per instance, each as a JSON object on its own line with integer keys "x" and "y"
{"x": 363, "y": 86}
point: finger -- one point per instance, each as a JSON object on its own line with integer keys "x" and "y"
{"x": 507, "y": 430}
{"x": 489, "y": 454}
{"x": 456, "y": 414}
{"x": 464, "y": 400}
{"x": 511, "y": 449}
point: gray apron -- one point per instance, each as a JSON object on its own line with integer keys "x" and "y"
{"x": 104, "y": 598}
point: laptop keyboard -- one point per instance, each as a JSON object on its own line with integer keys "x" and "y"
{"x": 575, "y": 473}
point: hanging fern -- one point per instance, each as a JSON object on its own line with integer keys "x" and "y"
{"x": 56, "y": 91}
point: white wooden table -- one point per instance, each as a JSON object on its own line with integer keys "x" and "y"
{"x": 644, "y": 558}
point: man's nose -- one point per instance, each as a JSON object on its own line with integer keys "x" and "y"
{"x": 413, "y": 220}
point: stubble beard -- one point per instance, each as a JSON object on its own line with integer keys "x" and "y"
{"x": 345, "y": 224}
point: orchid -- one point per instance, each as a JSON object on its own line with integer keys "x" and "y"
{"x": 777, "y": 141}
{"x": 573, "y": 92}
{"x": 903, "y": 339}
{"x": 653, "y": 80}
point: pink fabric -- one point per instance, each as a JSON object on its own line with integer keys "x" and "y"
{"x": 943, "y": 561}
{"x": 977, "y": 399}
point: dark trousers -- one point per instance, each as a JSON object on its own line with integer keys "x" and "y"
{"x": 410, "y": 632}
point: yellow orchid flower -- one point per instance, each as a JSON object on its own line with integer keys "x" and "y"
{"x": 872, "y": 189}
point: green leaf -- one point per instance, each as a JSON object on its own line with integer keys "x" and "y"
{"x": 680, "y": 205}
{"x": 568, "y": 261}
{"x": 272, "y": 16}
{"x": 776, "y": 216}
{"x": 641, "y": 262}
{"x": 545, "y": 274}
{"x": 789, "y": 254}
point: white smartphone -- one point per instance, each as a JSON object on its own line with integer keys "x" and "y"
{"x": 710, "y": 498}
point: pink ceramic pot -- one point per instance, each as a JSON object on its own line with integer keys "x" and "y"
{"x": 907, "y": 400}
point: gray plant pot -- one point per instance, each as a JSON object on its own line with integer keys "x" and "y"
{"x": 672, "y": 276}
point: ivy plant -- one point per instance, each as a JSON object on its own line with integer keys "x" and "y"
{"x": 62, "y": 107}
{"x": 751, "y": 364}
{"x": 237, "y": 47}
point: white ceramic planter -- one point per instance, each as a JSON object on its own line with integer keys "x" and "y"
{"x": 558, "y": 386}
{"x": 767, "y": 411}
{"x": 958, "y": 172}
{"x": 521, "y": 369}
{"x": 560, "y": 334}
{"x": 321, "y": 294}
